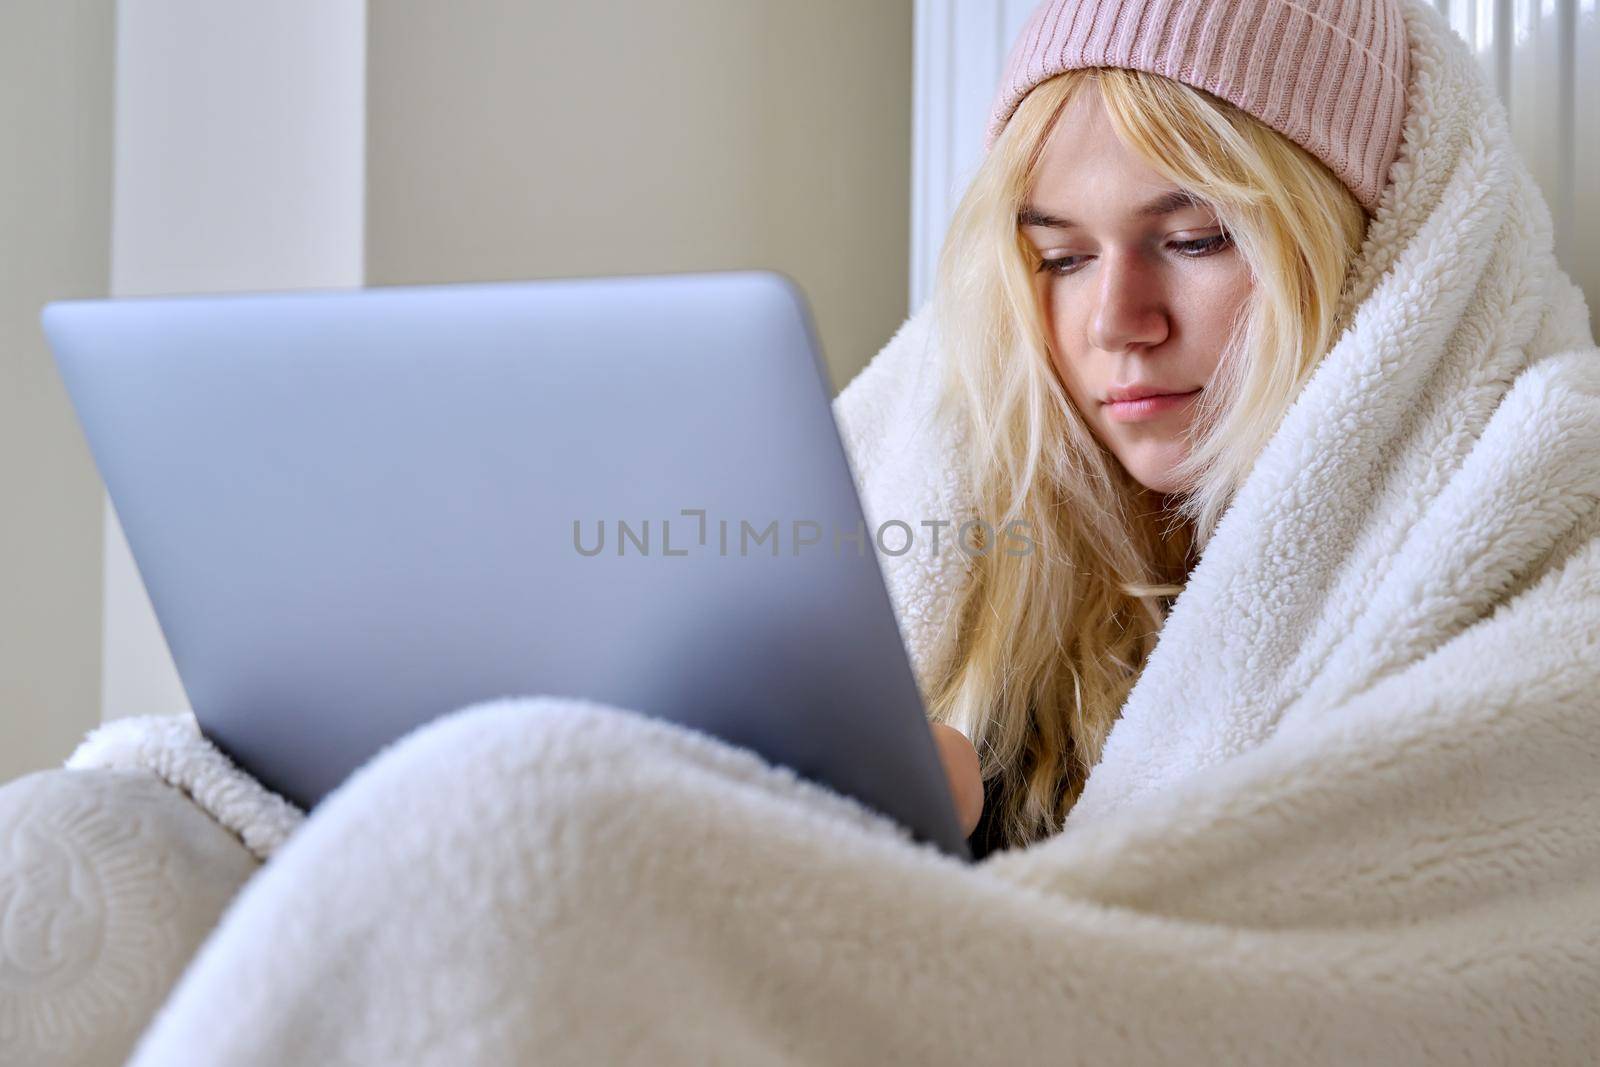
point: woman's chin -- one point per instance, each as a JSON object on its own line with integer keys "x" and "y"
{"x": 1154, "y": 469}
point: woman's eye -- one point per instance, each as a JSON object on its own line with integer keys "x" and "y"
{"x": 1203, "y": 246}
{"x": 1199, "y": 248}
{"x": 1061, "y": 265}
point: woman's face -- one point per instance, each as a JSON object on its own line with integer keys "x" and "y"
{"x": 1139, "y": 287}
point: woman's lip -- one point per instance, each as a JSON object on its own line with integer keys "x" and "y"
{"x": 1148, "y": 407}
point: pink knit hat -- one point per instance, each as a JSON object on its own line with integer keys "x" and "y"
{"x": 1330, "y": 75}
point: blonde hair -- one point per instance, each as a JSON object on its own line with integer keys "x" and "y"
{"x": 1050, "y": 642}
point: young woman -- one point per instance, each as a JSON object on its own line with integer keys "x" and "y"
{"x": 1135, "y": 285}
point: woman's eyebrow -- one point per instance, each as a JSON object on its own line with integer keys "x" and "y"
{"x": 1164, "y": 204}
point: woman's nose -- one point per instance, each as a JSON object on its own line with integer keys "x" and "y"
{"x": 1130, "y": 307}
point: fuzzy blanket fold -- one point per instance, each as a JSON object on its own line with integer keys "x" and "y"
{"x": 1349, "y": 813}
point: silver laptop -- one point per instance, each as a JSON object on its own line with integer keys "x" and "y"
{"x": 358, "y": 510}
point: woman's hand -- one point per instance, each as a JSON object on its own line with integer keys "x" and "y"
{"x": 961, "y": 767}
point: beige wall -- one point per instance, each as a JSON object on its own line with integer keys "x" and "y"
{"x": 55, "y": 202}
{"x": 509, "y": 139}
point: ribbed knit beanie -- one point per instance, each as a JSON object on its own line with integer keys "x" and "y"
{"x": 1330, "y": 75}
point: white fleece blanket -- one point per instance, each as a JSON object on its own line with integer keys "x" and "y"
{"x": 1348, "y": 815}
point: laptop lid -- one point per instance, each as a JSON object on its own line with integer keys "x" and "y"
{"x": 356, "y": 510}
